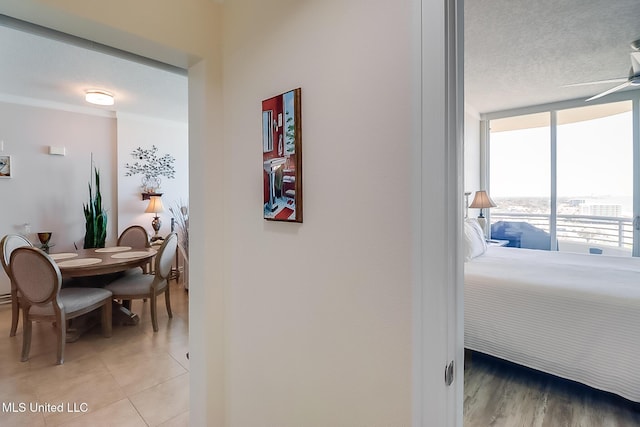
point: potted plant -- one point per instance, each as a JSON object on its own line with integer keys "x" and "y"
{"x": 151, "y": 167}
{"x": 95, "y": 217}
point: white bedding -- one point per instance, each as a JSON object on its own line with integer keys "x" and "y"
{"x": 575, "y": 316}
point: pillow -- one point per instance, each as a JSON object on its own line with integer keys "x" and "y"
{"x": 475, "y": 243}
{"x": 478, "y": 229}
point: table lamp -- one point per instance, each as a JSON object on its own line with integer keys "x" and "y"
{"x": 482, "y": 201}
{"x": 155, "y": 206}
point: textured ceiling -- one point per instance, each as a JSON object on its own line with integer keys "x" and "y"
{"x": 41, "y": 70}
{"x": 519, "y": 53}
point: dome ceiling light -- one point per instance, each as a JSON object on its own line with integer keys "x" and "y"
{"x": 99, "y": 97}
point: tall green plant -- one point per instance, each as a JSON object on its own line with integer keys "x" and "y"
{"x": 95, "y": 217}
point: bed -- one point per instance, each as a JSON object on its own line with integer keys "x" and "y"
{"x": 572, "y": 315}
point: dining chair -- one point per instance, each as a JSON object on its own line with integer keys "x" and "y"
{"x": 149, "y": 286}
{"x": 9, "y": 243}
{"x": 136, "y": 237}
{"x": 39, "y": 281}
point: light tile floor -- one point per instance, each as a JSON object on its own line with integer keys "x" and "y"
{"x": 135, "y": 378}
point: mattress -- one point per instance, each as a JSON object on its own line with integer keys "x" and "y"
{"x": 571, "y": 315}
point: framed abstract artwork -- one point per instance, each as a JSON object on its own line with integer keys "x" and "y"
{"x": 5, "y": 167}
{"x": 282, "y": 157}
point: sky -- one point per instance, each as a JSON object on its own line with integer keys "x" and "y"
{"x": 594, "y": 158}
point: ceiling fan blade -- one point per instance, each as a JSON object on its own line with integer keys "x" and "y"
{"x": 622, "y": 79}
{"x": 607, "y": 92}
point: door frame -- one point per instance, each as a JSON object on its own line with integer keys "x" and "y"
{"x": 438, "y": 331}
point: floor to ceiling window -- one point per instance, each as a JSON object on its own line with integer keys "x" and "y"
{"x": 519, "y": 177}
{"x": 563, "y": 180}
{"x": 595, "y": 179}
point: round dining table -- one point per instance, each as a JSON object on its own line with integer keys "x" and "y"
{"x": 99, "y": 261}
{"x": 87, "y": 263}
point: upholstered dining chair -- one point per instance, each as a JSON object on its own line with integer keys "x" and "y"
{"x": 7, "y": 245}
{"x": 149, "y": 286}
{"x": 38, "y": 280}
{"x": 136, "y": 237}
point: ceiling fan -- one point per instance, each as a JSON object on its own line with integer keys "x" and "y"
{"x": 632, "y": 80}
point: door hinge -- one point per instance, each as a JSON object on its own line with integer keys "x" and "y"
{"x": 636, "y": 222}
{"x": 449, "y": 373}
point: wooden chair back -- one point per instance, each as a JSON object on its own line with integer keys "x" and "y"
{"x": 9, "y": 243}
{"x": 165, "y": 255}
{"x": 35, "y": 275}
{"x": 134, "y": 236}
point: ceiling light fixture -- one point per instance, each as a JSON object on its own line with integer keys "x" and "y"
{"x": 99, "y": 97}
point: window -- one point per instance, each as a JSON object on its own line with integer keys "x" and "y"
{"x": 595, "y": 179}
{"x": 564, "y": 179}
{"x": 520, "y": 173}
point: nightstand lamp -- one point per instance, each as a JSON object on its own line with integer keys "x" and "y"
{"x": 482, "y": 201}
{"x": 155, "y": 206}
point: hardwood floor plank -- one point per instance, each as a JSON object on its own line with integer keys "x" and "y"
{"x": 502, "y": 394}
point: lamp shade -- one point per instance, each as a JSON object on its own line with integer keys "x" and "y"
{"x": 155, "y": 205}
{"x": 482, "y": 200}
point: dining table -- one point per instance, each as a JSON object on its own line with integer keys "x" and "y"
{"x": 99, "y": 261}
{"x": 89, "y": 267}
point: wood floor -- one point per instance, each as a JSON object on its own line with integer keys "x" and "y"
{"x": 499, "y": 393}
{"x": 135, "y": 378}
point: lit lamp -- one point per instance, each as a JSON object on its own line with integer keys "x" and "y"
{"x": 482, "y": 201}
{"x": 99, "y": 97}
{"x": 155, "y": 206}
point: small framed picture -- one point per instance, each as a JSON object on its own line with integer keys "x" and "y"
{"x": 5, "y": 167}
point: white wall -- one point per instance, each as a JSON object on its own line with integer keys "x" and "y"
{"x": 48, "y": 191}
{"x": 170, "y": 138}
{"x": 319, "y": 313}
